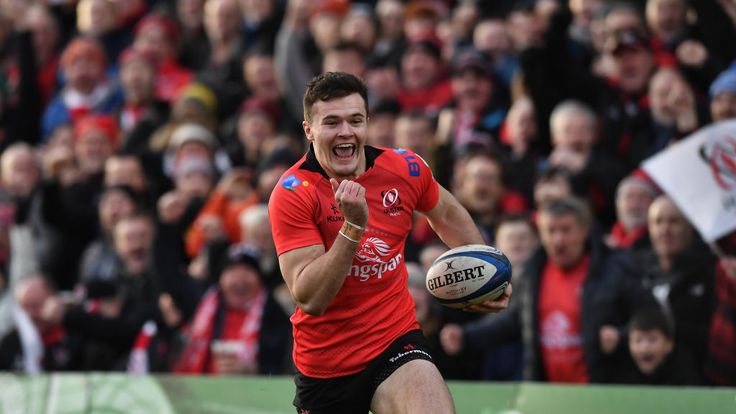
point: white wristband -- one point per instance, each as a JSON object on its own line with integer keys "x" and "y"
{"x": 354, "y": 225}
{"x": 346, "y": 236}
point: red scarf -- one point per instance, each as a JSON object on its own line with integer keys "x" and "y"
{"x": 623, "y": 239}
{"x": 196, "y": 354}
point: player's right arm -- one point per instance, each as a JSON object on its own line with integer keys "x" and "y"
{"x": 315, "y": 275}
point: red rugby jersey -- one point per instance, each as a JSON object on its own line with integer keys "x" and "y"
{"x": 373, "y": 307}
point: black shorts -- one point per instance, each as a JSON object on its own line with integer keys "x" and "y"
{"x": 353, "y": 393}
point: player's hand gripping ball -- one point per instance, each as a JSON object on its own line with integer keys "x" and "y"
{"x": 469, "y": 275}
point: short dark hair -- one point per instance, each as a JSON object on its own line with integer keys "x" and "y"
{"x": 332, "y": 85}
{"x": 653, "y": 319}
{"x": 568, "y": 205}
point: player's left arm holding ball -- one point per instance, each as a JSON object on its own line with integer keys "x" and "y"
{"x": 453, "y": 224}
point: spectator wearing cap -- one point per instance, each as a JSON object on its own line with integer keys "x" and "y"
{"x": 634, "y": 195}
{"x": 424, "y": 83}
{"x": 551, "y": 75}
{"x": 223, "y": 69}
{"x": 158, "y": 36}
{"x": 720, "y": 363}
{"x": 86, "y": 91}
{"x": 479, "y": 106}
{"x": 195, "y": 104}
{"x": 193, "y": 139}
{"x": 308, "y": 31}
{"x": 142, "y": 113}
{"x": 238, "y": 327}
{"x": 723, "y": 95}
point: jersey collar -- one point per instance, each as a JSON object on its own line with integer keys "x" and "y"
{"x": 311, "y": 163}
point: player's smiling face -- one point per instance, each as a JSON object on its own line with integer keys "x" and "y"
{"x": 338, "y": 131}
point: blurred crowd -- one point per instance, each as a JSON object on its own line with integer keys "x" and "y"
{"x": 140, "y": 141}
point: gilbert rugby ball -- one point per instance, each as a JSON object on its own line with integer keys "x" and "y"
{"x": 468, "y": 275}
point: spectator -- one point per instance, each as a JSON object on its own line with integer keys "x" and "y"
{"x": 100, "y": 20}
{"x": 87, "y": 91}
{"x": 723, "y": 96}
{"x": 674, "y": 110}
{"x": 308, "y": 31}
{"x": 128, "y": 170}
{"x": 390, "y": 38}
{"x": 491, "y": 38}
{"x": 381, "y": 130}
{"x": 519, "y": 145}
{"x": 657, "y": 360}
{"x": 345, "y": 57}
{"x": 223, "y": 71}
{"x": 517, "y": 238}
{"x": 480, "y": 107}
{"x": 67, "y": 220}
{"x": 481, "y": 190}
{"x": 158, "y": 36}
{"x": 552, "y": 183}
{"x": 634, "y": 195}
{"x": 142, "y": 113}
{"x": 414, "y": 131}
{"x": 678, "y": 271}
{"x": 260, "y": 23}
{"x": 218, "y": 219}
{"x": 125, "y": 304}
{"x": 720, "y": 364}
{"x": 99, "y": 260}
{"x": 359, "y": 27}
{"x": 238, "y": 327}
{"x": 425, "y": 86}
{"x": 36, "y": 345}
{"x": 20, "y": 179}
{"x": 257, "y": 123}
{"x": 592, "y": 173}
{"x": 189, "y": 15}
{"x": 559, "y": 332}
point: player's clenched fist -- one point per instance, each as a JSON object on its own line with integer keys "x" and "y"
{"x": 350, "y": 198}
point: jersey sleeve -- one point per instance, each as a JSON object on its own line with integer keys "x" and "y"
{"x": 292, "y": 219}
{"x": 430, "y": 189}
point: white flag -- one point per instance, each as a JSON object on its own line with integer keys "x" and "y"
{"x": 699, "y": 174}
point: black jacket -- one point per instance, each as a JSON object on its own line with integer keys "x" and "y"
{"x": 599, "y": 306}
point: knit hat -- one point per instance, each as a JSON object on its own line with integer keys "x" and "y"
{"x": 82, "y": 47}
{"x": 192, "y": 132}
{"x": 104, "y": 124}
{"x": 725, "y": 82}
